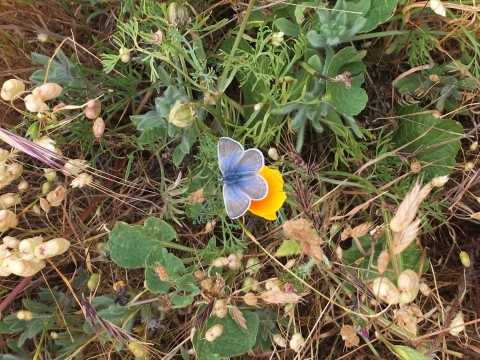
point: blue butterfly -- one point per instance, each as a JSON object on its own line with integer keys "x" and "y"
{"x": 240, "y": 168}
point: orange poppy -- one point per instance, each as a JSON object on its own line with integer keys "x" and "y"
{"x": 268, "y": 207}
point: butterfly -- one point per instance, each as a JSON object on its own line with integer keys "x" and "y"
{"x": 241, "y": 181}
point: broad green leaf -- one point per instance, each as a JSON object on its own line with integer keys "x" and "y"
{"x": 130, "y": 245}
{"x": 160, "y": 257}
{"x": 352, "y": 101}
{"x": 289, "y": 247}
{"x": 181, "y": 301}
{"x": 148, "y": 121}
{"x": 36, "y": 307}
{"x": 234, "y": 340}
{"x": 380, "y": 11}
{"x": 410, "y": 258}
{"x": 437, "y": 160}
{"x": 407, "y": 353}
{"x": 287, "y": 27}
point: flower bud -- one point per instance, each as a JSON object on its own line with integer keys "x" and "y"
{"x": 439, "y": 181}
{"x": 209, "y": 226}
{"x": 273, "y": 284}
{"x": 46, "y": 186}
{"x": 54, "y": 335}
{"x": 98, "y": 127}
{"x": 424, "y": 289}
{"x": 182, "y": 114}
{"x": 35, "y": 104}
{"x": 47, "y": 91}
{"x": 14, "y": 171}
{"x": 474, "y": 146}
{"x": 220, "y": 262}
{"x": 214, "y": 332}
{"x": 277, "y": 38}
{"x": 50, "y": 174}
{"x": 177, "y": 15}
{"x": 11, "y": 89}
{"x": 469, "y": 166}
{"x": 11, "y": 242}
{"x": 94, "y": 107}
{"x": 408, "y": 285}
{"x": 247, "y": 284}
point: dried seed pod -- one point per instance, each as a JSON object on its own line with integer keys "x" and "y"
{"x": 47, "y": 91}
{"x": 296, "y": 342}
{"x": 14, "y": 171}
{"x": 22, "y": 267}
{"x": 98, "y": 127}
{"x": 82, "y": 180}
{"x": 197, "y": 197}
{"x": 8, "y": 219}
{"x": 385, "y": 290}
{"x": 23, "y": 185}
{"x": 24, "y": 315}
{"x": 252, "y": 266}
{"x": 26, "y": 247}
{"x": 56, "y": 197}
{"x": 210, "y": 225}
{"x": 46, "y": 143}
{"x": 439, "y": 181}
{"x": 474, "y": 146}
{"x": 9, "y": 199}
{"x": 11, "y": 242}
{"x": 75, "y": 166}
{"x": 457, "y": 325}
{"x": 425, "y": 289}
{"x": 45, "y": 205}
{"x": 177, "y": 15}
{"x": 273, "y": 153}
{"x": 250, "y": 299}
{"x": 51, "y": 248}
{"x": 214, "y": 332}
{"x": 161, "y": 272}
{"x": 11, "y": 89}
{"x": 465, "y": 259}
{"x": 93, "y": 110}
{"x": 279, "y": 340}
{"x": 35, "y": 104}
{"x": 233, "y": 261}
{"x": 383, "y": 260}
{"x": 273, "y": 284}
{"x": 408, "y": 285}
{"x": 182, "y": 115}
{"x": 220, "y": 262}
{"x": 220, "y": 308}
{"x": 137, "y": 350}
{"x": 438, "y": 8}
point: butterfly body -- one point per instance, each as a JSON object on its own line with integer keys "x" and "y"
{"x": 240, "y": 169}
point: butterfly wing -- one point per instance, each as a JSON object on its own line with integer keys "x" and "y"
{"x": 229, "y": 153}
{"x": 237, "y": 196}
{"x": 251, "y": 162}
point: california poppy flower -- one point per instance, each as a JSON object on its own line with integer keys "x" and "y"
{"x": 268, "y": 207}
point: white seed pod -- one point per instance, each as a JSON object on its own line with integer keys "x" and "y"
{"x": 9, "y": 199}
{"x": 75, "y": 166}
{"x": 14, "y": 171}
{"x": 474, "y": 146}
{"x": 36, "y": 209}
{"x": 209, "y": 226}
{"x": 47, "y": 91}
{"x": 11, "y": 242}
{"x": 35, "y": 104}
{"x": 296, "y": 342}
{"x": 4, "y": 252}
{"x": 458, "y": 325}
{"x": 220, "y": 262}
{"x": 273, "y": 284}
{"x": 24, "y": 315}
{"x": 220, "y": 308}
{"x": 233, "y": 262}
{"x": 438, "y": 8}
{"x": 82, "y": 180}
{"x": 46, "y": 143}
{"x": 23, "y": 185}
{"x": 22, "y": 267}
{"x": 11, "y": 89}
{"x": 469, "y": 166}
{"x": 385, "y": 290}
{"x": 98, "y": 127}
{"x": 273, "y": 153}
{"x": 250, "y": 299}
{"x": 408, "y": 285}
{"x": 26, "y": 247}
{"x": 214, "y": 332}
{"x": 425, "y": 289}
{"x": 125, "y": 58}
{"x": 279, "y": 340}
{"x": 51, "y": 248}
{"x": 94, "y": 107}
{"x": 439, "y": 181}
{"x": 8, "y": 219}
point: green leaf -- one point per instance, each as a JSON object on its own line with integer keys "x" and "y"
{"x": 289, "y": 247}
{"x": 287, "y": 27}
{"x": 234, "y": 340}
{"x": 34, "y": 306}
{"x": 181, "y": 301}
{"x": 130, "y": 245}
{"x": 380, "y": 11}
{"x": 148, "y": 121}
{"x": 410, "y": 258}
{"x": 118, "y": 315}
{"x": 159, "y": 256}
{"x": 407, "y": 353}
{"x": 352, "y": 101}
{"x": 441, "y": 158}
